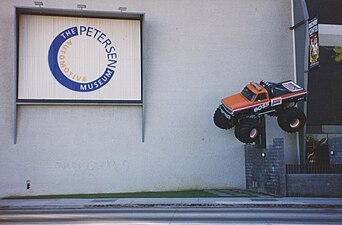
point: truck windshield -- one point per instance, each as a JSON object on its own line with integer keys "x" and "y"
{"x": 248, "y": 94}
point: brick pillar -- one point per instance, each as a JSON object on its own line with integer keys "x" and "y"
{"x": 335, "y": 145}
{"x": 265, "y": 168}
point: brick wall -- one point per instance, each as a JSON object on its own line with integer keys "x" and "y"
{"x": 266, "y": 174}
{"x": 314, "y": 185}
{"x": 335, "y": 145}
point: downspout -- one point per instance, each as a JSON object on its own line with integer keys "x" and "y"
{"x": 295, "y": 71}
{"x": 299, "y": 20}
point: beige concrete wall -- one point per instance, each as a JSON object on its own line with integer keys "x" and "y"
{"x": 195, "y": 53}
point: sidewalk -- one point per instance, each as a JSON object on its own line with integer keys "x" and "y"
{"x": 42, "y": 204}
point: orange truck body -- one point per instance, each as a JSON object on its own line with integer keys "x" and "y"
{"x": 261, "y": 100}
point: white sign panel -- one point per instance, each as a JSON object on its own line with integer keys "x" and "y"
{"x": 76, "y": 58}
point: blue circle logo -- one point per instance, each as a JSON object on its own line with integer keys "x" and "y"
{"x": 63, "y": 74}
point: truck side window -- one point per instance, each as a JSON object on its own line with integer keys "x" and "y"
{"x": 261, "y": 97}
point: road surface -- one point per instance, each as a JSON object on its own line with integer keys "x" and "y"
{"x": 175, "y": 216}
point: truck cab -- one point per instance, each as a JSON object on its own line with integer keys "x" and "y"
{"x": 259, "y": 93}
{"x": 252, "y": 94}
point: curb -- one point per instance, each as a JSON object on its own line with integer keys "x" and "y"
{"x": 191, "y": 205}
{"x": 213, "y": 206}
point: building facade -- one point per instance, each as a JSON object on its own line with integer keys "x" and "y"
{"x": 193, "y": 54}
{"x": 324, "y": 127}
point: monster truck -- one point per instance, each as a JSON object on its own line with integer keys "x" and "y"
{"x": 243, "y": 110}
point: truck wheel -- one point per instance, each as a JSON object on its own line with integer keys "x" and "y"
{"x": 291, "y": 120}
{"x": 247, "y": 130}
{"x": 221, "y": 121}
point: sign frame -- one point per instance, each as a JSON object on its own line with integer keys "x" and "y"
{"x": 79, "y": 14}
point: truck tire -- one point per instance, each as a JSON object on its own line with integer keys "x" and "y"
{"x": 291, "y": 120}
{"x": 247, "y": 130}
{"x": 221, "y": 121}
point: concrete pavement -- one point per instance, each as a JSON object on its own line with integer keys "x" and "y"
{"x": 174, "y": 216}
{"x": 32, "y": 204}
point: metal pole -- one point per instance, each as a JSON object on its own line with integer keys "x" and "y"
{"x": 15, "y": 124}
{"x": 142, "y": 124}
{"x": 262, "y": 137}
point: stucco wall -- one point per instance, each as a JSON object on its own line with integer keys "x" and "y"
{"x": 195, "y": 53}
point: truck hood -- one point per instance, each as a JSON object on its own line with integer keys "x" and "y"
{"x": 236, "y": 102}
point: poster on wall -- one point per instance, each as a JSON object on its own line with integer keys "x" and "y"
{"x": 313, "y": 44}
{"x": 79, "y": 59}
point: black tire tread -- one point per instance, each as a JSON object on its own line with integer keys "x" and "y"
{"x": 221, "y": 121}
{"x": 287, "y": 115}
{"x": 243, "y": 128}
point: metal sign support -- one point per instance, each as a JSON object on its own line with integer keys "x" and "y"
{"x": 15, "y": 126}
{"x": 261, "y": 142}
{"x": 142, "y": 124}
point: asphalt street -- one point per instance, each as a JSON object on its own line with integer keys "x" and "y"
{"x": 176, "y": 215}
